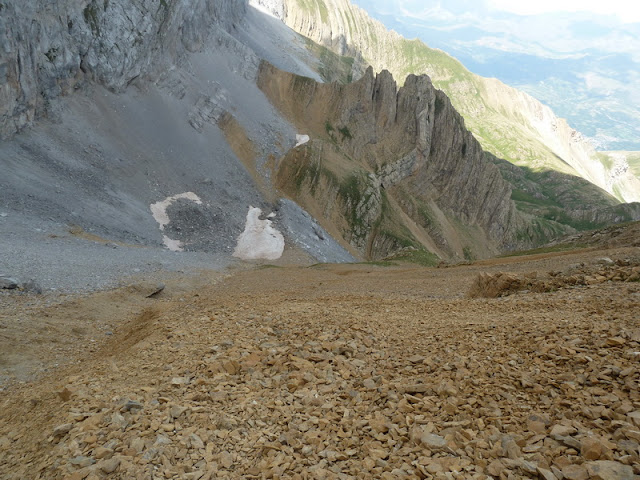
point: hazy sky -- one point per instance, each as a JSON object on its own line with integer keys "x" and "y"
{"x": 627, "y": 11}
{"x": 551, "y": 28}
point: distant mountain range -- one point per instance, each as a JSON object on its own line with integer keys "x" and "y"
{"x": 585, "y": 67}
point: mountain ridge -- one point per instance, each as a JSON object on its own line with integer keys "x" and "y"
{"x": 536, "y": 138}
{"x": 188, "y": 122}
{"x": 403, "y": 150}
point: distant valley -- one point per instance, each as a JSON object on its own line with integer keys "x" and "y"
{"x": 586, "y": 69}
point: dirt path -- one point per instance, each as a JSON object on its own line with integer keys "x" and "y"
{"x": 351, "y": 371}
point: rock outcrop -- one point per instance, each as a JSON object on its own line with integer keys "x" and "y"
{"x": 396, "y": 162}
{"x": 507, "y": 122}
{"x": 47, "y": 49}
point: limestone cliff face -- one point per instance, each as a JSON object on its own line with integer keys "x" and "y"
{"x": 508, "y": 123}
{"x": 49, "y": 48}
{"x": 397, "y": 163}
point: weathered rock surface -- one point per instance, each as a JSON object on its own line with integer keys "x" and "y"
{"x": 8, "y": 283}
{"x": 49, "y": 49}
{"x": 407, "y": 146}
{"x": 502, "y": 284}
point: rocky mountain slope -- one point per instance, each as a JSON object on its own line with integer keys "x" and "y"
{"x": 393, "y": 167}
{"x": 120, "y": 106}
{"x": 129, "y": 129}
{"x": 507, "y": 122}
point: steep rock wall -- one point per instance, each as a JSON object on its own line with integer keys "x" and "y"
{"x": 508, "y": 123}
{"x": 49, "y": 48}
{"x": 393, "y": 141}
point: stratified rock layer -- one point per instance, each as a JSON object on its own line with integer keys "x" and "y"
{"x": 407, "y": 146}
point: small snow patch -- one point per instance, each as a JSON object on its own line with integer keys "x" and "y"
{"x": 301, "y": 139}
{"x": 173, "y": 245}
{"x": 259, "y": 239}
{"x": 159, "y": 209}
{"x": 159, "y": 212}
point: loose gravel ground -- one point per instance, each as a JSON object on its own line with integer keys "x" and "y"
{"x": 351, "y": 371}
{"x": 59, "y": 261}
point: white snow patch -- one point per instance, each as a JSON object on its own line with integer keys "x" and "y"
{"x": 159, "y": 209}
{"x": 159, "y": 212}
{"x": 173, "y": 245}
{"x": 259, "y": 239}
{"x": 301, "y": 139}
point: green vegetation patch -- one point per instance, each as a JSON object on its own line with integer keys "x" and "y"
{"x": 468, "y": 254}
{"x": 90, "y": 14}
{"x": 633, "y": 159}
{"x": 331, "y": 132}
{"x": 418, "y": 57}
{"x": 311, "y": 6}
{"x": 311, "y": 173}
{"x": 419, "y": 256}
{"x": 561, "y": 216}
{"x": 564, "y": 247}
{"x": 345, "y": 133}
{"x": 324, "y": 12}
{"x": 351, "y": 190}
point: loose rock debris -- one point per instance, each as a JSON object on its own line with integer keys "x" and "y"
{"x": 606, "y": 270}
{"x": 346, "y": 372}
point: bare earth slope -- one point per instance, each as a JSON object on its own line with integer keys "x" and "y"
{"x": 353, "y": 371}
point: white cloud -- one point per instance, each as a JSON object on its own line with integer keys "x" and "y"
{"x": 626, "y": 11}
{"x": 513, "y": 45}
